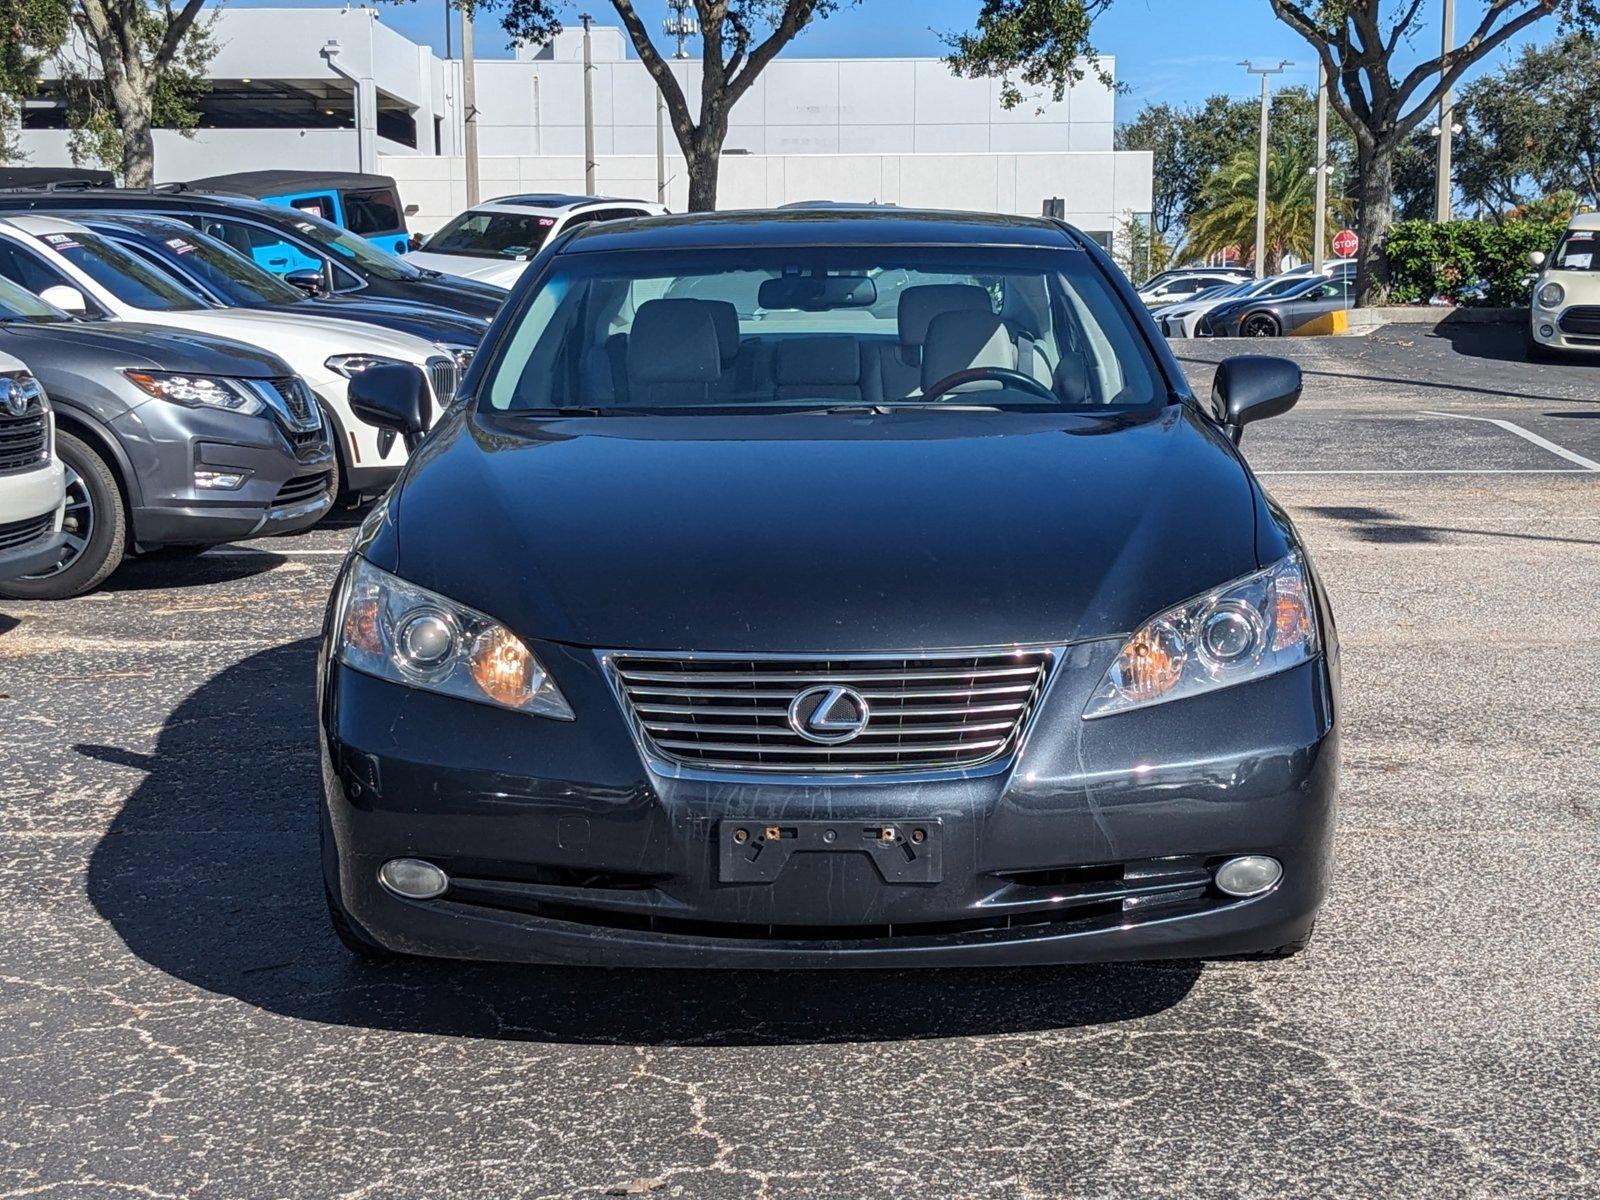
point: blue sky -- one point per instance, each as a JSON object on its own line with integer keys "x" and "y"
{"x": 1167, "y": 50}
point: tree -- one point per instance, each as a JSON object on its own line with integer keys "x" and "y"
{"x": 1191, "y": 144}
{"x": 1356, "y": 45}
{"x": 144, "y": 56}
{"x": 33, "y": 31}
{"x": 738, "y": 38}
{"x": 1228, "y": 213}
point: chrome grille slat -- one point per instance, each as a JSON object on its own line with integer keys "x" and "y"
{"x": 928, "y": 714}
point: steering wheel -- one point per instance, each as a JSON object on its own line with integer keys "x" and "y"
{"x": 993, "y": 374}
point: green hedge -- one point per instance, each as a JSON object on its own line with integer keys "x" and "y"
{"x": 1467, "y": 262}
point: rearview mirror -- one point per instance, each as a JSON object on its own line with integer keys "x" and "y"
{"x": 67, "y": 299}
{"x": 1536, "y": 258}
{"x": 817, "y": 293}
{"x": 393, "y": 396}
{"x": 1253, "y": 387}
{"x": 306, "y": 279}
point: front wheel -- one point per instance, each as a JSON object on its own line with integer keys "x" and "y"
{"x": 1259, "y": 325}
{"x": 96, "y": 528}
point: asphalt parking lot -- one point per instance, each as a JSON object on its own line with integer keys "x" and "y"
{"x": 177, "y": 1021}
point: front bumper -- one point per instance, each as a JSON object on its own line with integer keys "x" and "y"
{"x": 31, "y": 507}
{"x": 1097, "y": 843}
{"x": 167, "y": 444}
{"x": 1568, "y": 332}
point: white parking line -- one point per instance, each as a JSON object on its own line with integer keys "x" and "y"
{"x": 1588, "y": 464}
{"x": 1437, "y": 471}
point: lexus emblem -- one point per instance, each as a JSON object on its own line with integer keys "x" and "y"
{"x": 828, "y": 715}
{"x": 12, "y": 398}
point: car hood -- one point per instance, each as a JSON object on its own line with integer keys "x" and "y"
{"x": 498, "y": 271}
{"x": 298, "y": 339}
{"x": 423, "y": 320}
{"x": 822, "y": 532}
{"x": 133, "y": 344}
{"x": 449, "y": 289}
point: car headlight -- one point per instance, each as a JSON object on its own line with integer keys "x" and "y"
{"x": 397, "y": 631}
{"x": 209, "y": 391}
{"x": 1551, "y": 294}
{"x": 1245, "y": 630}
{"x": 351, "y": 365}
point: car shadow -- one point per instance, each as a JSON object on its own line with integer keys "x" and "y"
{"x": 210, "y": 872}
{"x": 159, "y": 571}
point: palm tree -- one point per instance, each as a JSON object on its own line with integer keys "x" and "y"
{"x": 1228, "y": 207}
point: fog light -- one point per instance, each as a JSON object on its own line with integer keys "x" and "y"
{"x": 220, "y": 480}
{"x": 417, "y": 880}
{"x": 1249, "y": 875}
{"x": 1546, "y": 331}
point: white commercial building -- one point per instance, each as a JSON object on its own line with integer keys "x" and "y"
{"x": 337, "y": 89}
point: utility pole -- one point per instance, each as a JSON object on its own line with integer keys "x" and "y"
{"x": 1261, "y": 167}
{"x": 588, "y": 109}
{"x": 469, "y": 100}
{"x": 1445, "y": 128}
{"x": 1319, "y": 232}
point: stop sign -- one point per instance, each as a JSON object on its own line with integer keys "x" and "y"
{"x": 1345, "y": 243}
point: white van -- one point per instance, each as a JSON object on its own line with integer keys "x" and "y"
{"x": 1565, "y": 313}
{"x": 32, "y": 488}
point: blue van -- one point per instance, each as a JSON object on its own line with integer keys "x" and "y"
{"x": 366, "y": 205}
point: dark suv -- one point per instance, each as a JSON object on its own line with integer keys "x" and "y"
{"x": 168, "y": 439}
{"x": 299, "y": 246}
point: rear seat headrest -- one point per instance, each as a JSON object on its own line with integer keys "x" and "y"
{"x": 921, "y": 304}
{"x": 958, "y": 340}
{"x": 673, "y": 341}
{"x": 825, "y": 359}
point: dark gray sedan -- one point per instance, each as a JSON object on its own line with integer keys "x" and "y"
{"x": 1274, "y": 316}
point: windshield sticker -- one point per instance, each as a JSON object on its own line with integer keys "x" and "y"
{"x": 61, "y": 241}
{"x": 181, "y": 246}
{"x": 1577, "y": 262}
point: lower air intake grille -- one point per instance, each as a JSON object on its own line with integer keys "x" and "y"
{"x": 15, "y": 534}
{"x": 298, "y": 491}
{"x": 923, "y": 712}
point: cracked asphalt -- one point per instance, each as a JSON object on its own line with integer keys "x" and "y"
{"x": 177, "y": 1021}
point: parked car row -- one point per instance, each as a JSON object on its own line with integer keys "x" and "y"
{"x": 1270, "y": 307}
{"x": 175, "y": 367}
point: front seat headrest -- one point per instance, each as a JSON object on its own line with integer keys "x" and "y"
{"x": 725, "y": 319}
{"x": 921, "y": 304}
{"x": 958, "y": 340}
{"x": 673, "y": 341}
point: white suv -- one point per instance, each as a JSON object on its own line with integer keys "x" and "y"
{"x": 1565, "y": 313}
{"x": 83, "y": 273}
{"x": 495, "y": 241}
{"x": 32, "y": 487}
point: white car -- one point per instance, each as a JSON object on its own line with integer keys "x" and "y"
{"x": 32, "y": 483}
{"x": 495, "y": 241}
{"x": 84, "y": 273}
{"x": 1565, "y": 313}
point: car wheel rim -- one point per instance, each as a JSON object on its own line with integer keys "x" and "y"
{"x": 1258, "y": 327}
{"x": 77, "y": 525}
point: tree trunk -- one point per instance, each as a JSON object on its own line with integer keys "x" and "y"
{"x": 133, "y": 100}
{"x": 1374, "y": 216}
{"x": 703, "y": 166}
{"x": 138, "y": 151}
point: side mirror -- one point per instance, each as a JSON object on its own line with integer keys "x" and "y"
{"x": 393, "y": 396}
{"x": 1536, "y": 258}
{"x": 1253, "y": 387}
{"x": 67, "y": 299}
{"x": 306, "y": 279}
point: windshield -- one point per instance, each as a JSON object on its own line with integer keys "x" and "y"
{"x": 350, "y": 247}
{"x": 19, "y": 304}
{"x": 227, "y": 274}
{"x": 823, "y": 326}
{"x": 131, "y": 281}
{"x": 513, "y": 236}
{"x": 1577, "y": 251}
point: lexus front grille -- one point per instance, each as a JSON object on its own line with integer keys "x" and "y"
{"x": 885, "y": 714}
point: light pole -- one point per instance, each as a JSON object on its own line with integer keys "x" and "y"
{"x": 1444, "y": 129}
{"x": 1261, "y": 166}
{"x": 588, "y": 109}
{"x": 1319, "y": 231}
{"x": 469, "y": 102}
{"x": 661, "y": 148}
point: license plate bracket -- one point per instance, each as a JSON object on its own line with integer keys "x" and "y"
{"x": 757, "y": 850}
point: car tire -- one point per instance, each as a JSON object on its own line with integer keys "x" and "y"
{"x": 96, "y": 521}
{"x": 351, "y": 938}
{"x": 1260, "y": 325}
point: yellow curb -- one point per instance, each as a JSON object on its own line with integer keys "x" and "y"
{"x": 1323, "y": 326}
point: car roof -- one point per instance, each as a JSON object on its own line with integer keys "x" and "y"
{"x": 1589, "y": 220}
{"x": 272, "y": 183}
{"x": 836, "y": 225}
{"x": 162, "y": 196}
{"x": 552, "y": 201}
{"x": 37, "y": 223}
